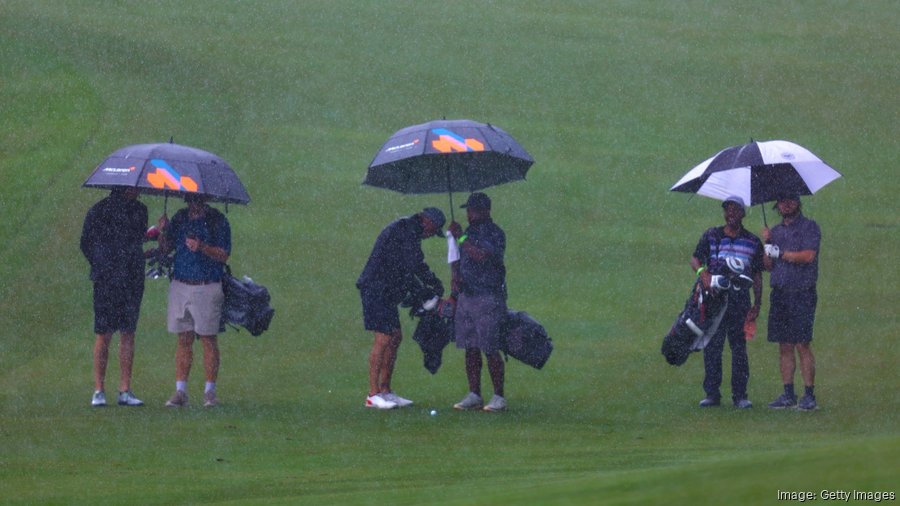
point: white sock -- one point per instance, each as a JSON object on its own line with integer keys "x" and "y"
{"x": 181, "y": 386}
{"x": 210, "y": 387}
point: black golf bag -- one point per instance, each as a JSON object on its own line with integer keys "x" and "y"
{"x": 246, "y": 304}
{"x": 695, "y": 325}
{"x": 433, "y": 333}
{"x": 524, "y": 339}
{"x": 434, "y": 330}
{"x": 703, "y": 312}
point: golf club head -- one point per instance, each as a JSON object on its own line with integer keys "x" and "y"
{"x": 719, "y": 282}
{"x": 431, "y": 303}
{"x": 735, "y": 265}
{"x": 152, "y": 234}
{"x": 742, "y": 282}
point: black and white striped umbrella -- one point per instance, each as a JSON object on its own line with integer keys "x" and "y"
{"x": 758, "y": 172}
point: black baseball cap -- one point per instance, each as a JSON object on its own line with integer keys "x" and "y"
{"x": 436, "y": 216}
{"x": 477, "y": 200}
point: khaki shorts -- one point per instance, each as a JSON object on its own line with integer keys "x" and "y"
{"x": 195, "y": 308}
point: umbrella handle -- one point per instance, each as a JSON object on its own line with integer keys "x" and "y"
{"x": 449, "y": 188}
{"x": 451, "y": 207}
{"x": 763, "y": 207}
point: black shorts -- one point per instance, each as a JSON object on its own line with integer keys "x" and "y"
{"x": 117, "y": 305}
{"x": 379, "y": 314}
{"x": 791, "y": 315}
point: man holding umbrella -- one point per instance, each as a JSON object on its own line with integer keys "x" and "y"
{"x": 792, "y": 255}
{"x": 480, "y": 281}
{"x": 395, "y": 267}
{"x": 715, "y": 248}
{"x": 201, "y": 238}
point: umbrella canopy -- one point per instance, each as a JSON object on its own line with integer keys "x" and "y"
{"x": 170, "y": 169}
{"x": 448, "y": 156}
{"x": 758, "y": 172}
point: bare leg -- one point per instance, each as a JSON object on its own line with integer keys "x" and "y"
{"x": 473, "y": 370}
{"x": 376, "y": 361}
{"x": 496, "y": 368}
{"x": 787, "y": 363}
{"x": 210, "y": 357}
{"x": 126, "y": 359}
{"x": 184, "y": 355}
{"x": 101, "y": 359}
{"x": 389, "y": 360}
{"x": 807, "y": 364}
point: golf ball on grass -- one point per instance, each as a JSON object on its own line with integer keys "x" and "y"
{"x": 433, "y": 412}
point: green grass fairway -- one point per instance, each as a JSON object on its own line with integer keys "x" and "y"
{"x": 615, "y": 100}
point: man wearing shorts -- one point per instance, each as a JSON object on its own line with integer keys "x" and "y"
{"x": 111, "y": 240}
{"x": 480, "y": 280}
{"x": 395, "y": 260}
{"x": 792, "y": 255}
{"x": 201, "y": 237}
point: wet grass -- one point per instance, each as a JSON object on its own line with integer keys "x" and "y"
{"x": 615, "y": 101}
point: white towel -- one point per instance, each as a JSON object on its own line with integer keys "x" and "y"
{"x": 452, "y": 248}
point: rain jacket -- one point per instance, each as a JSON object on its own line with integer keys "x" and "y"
{"x": 486, "y": 277}
{"x": 397, "y": 257}
{"x": 112, "y": 239}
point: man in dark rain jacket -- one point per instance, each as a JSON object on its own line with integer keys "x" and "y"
{"x": 396, "y": 260}
{"x": 111, "y": 240}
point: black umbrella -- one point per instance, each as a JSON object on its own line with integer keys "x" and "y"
{"x": 758, "y": 172}
{"x": 448, "y": 156}
{"x": 170, "y": 169}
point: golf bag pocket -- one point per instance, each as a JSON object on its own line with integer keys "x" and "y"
{"x": 246, "y": 304}
{"x": 694, "y": 326}
{"x": 526, "y": 340}
{"x": 676, "y": 346}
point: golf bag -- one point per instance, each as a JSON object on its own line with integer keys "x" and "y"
{"x": 435, "y": 328}
{"x": 246, "y": 304}
{"x": 703, "y": 312}
{"x": 526, "y": 340}
{"x": 695, "y": 325}
{"x": 420, "y": 297}
{"x": 433, "y": 333}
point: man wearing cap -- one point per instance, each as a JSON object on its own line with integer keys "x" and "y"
{"x": 390, "y": 272}
{"x": 200, "y": 235}
{"x": 715, "y": 247}
{"x": 480, "y": 282}
{"x": 792, "y": 256}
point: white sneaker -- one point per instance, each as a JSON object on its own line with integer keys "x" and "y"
{"x": 99, "y": 399}
{"x": 470, "y": 401}
{"x": 128, "y": 399}
{"x": 378, "y": 402}
{"x": 497, "y": 404}
{"x": 396, "y": 399}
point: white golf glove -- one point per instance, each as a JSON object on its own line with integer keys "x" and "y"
{"x": 772, "y": 251}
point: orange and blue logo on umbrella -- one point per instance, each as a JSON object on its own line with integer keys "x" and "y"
{"x": 449, "y": 142}
{"x": 166, "y": 178}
